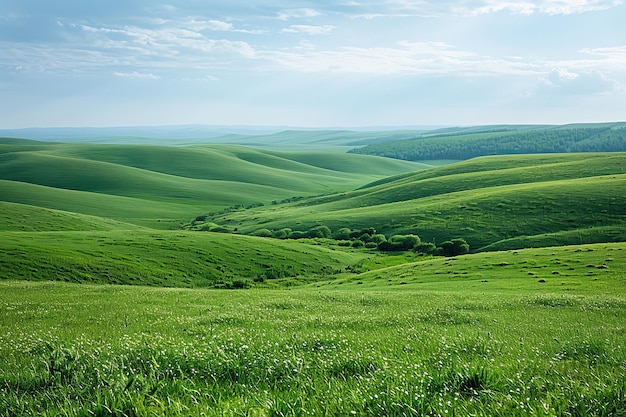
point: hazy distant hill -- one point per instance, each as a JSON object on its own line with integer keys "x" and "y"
{"x": 259, "y": 136}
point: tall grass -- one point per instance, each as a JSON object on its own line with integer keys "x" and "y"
{"x": 105, "y": 350}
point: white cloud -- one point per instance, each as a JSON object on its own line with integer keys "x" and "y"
{"x": 311, "y": 30}
{"x": 206, "y": 78}
{"x": 136, "y": 75}
{"x": 566, "y": 82}
{"x": 425, "y": 58}
{"x": 217, "y": 25}
{"x": 551, "y": 7}
{"x": 613, "y": 58}
{"x": 298, "y": 13}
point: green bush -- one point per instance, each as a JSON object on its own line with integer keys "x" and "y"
{"x": 359, "y": 233}
{"x": 454, "y": 247}
{"x": 357, "y": 243}
{"x": 426, "y": 247}
{"x": 221, "y": 229}
{"x": 282, "y": 233}
{"x": 377, "y": 238}
{"x": 263, "y": 233}
{"x": 319, "y": 231}
{"x": 296, "y": 234}
{"x": 342, "y": 234}
{"x": 399, "y": 243}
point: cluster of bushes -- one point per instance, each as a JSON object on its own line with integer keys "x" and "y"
{"x": 369, "y": 238}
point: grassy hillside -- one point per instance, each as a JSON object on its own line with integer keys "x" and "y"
{"x": 167, "y": 259}
{"x": 132, "y": 210}
{"x": 474, "y": 335}
{"x": 584, "y": 269}
{"x": 25, "y": 218}
{"x": 485, "y": 200}
{"x": 493, "y": 140}
{"x": 150, "y": 183}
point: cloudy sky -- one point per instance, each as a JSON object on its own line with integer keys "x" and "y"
{"x": 306, "y": 63}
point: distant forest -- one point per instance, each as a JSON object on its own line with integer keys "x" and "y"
{"x": 578, "y": 138}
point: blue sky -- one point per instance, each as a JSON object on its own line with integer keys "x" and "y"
{"x": 315, "y": 64}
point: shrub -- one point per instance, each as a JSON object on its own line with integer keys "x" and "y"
{"x": 377, "y": 238}
{"x": 263, "y": 233}
{"x": 389, "y": 246}
{"x": 319, "y": 231}
{"x": 399, "y": 243}
{"x": 342, "y": 234}
{"x": 282, "y": 233}
{"x": 371, "y": 245}
{"x": 239, "y": 284}
{"x": 345, "y": 243}
{"x": 364, "y": 238}
{"x": 221, "y": 229}
{"x": 297, "y": 235}
{"x": 454, "y": 247}
{"x": 359, "y": 233}
{"x": 426, "y": 247}
{"x": 201, "y": 218}
{"x": 357, "y": 243}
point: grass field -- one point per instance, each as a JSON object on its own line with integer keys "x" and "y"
{"x": 167, "y": 259}
{"x": 143, "y": 184}
{"x": 104, "y": 312}
{"x": 512, "y": 199}
{"x": 450, "y": 345}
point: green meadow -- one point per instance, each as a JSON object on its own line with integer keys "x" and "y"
{"x": 136, "y": 280}
{"x": 416, "y": 339}
{"x": 148, "y": 185}
{"x": 512, "y": 202}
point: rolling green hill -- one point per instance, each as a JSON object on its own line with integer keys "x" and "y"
{"x": 26, "y": 218}
{"x": 581, "y": 197}
{"x": 163, "y": 258}
{"x": 595, "y": 268}
{"x": 505, "y": 332}
{"x": 145, "y": 184}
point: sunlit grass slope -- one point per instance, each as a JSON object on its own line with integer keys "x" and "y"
{"x": 133, "y": 210}
{"x": 161, "y": 258}
{"x": 485, "y": 200}
{"x": 25, "y": 218}
{"x": 165, "y": 180}
{"x": 580, "y": 269}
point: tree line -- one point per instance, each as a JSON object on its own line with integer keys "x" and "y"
{"x": 369, "y": 238}
{"x": 546, "y": 140}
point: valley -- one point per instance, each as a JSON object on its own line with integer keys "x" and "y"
{"x": 294, "y": 278}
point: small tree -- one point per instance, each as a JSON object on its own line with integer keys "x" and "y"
{"x": 282, "y": 233}
{"x": 263, "y": 233}
{"x": 297, "y": 235}
{"x": 426, "y": 247}
{"x": 377, "y": 238}
{"x": 454, "y": 247}
{"x": 319, "y": 231}
{"x": 342, "y": 234}
{"x": 357, "y": 243}
{"x": 399, "y": 243}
